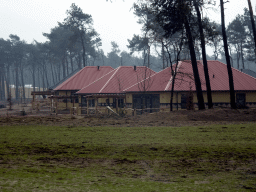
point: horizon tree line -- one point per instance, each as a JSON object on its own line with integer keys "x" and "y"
{"x": 74, "y": 44}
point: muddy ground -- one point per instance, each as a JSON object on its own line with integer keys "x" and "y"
{"x": 175, "y": 118}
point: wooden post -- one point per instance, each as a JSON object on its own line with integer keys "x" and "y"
{"x": 51, "y": 105}
{"x": 177, "y": 99}
{"x": 108, "y": 104}
{"x": 87, "y": 106}
{"x": 37, "y": 107}
{"x": 79, "y": 107}
{"x": 73, "y": 105}
{"x": 124, "y": 106}
{"x": 96, "y": 105}
{"x": 33, "y": 104}
{"x": 56, "y": 108}
{"x": 117, "y": 105}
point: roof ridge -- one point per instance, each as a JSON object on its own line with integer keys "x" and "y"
{"x": 142, "y": 80}
{"x": 235, "y": 69}
{"x": 75, "y": 75}
{"x": 97, "y": 79}
{"x": 109, "y": 79}
{"x": 71, "y": 78}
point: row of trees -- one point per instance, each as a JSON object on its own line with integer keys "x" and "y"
{"x": 71, "y": 45}
{"x": 239, "y": 32}
{"x": 172, "y": 30}
{"x": 177, "y": 28}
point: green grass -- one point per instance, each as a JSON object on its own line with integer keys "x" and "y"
{"x": 206, "y": 158}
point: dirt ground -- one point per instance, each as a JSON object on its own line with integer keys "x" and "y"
{"x": 175, "y": 118}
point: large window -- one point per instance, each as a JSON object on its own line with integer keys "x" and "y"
{"x": 91, "y": 102}
{"x": 148, "y": 102}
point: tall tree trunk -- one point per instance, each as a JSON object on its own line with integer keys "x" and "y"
{"x": 206, "y": 73}
{"x": 3, "y": 86}
{"x": 67, "y": 65}
{"x": 22, "y": 82}
{"x": 174, "y": 73}
{"x": 230, "y": 74}
{"x": 53, "y": 76}
{"x": 8, "y": 81}
{"x": 230, "y": 53}
{"x": 46, "y": 77}
{"x": 16, "y": 82}
{"x": 242, "y": 54}
{"x": 34, "y": 77}
{"x": 216, "y": 51}
{"x": 144, "y": 56}
{"x": 43, "y": 80}
{"x": 1, "y": 80}
{"x": 253, "y": 25}
{"x": 63, "y": 67}
{"x": 58, "y": 72}
{"x": 79, "y": 61}
{"x": 102, "y": 57}
{"x": 237, "y": 56}
{"x": 148, "y": 56}
{"x": 83, "y": 55}
{"x": 38, "y": 78}
{"x": 71, "y": 62}
{"x": 199, "y": 91}
{"x": 163, "y": 54}
{"x": 2, "y": 83}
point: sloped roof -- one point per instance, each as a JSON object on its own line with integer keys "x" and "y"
{"x": 162, "y": 81}
{"x": 117, "y": 80}
{"x": 64, "y": 79}
{"x": 84, "y": 77}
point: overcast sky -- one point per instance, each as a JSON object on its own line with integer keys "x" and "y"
{"x": 113, "y": 21}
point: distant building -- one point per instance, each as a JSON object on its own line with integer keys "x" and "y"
{"x": 245, "y": 87}
{"x": 28, "y": 88}
{"x": 140, "y": 88}
{"x": 109, "y": 89}
{"x": 64, "y": 92}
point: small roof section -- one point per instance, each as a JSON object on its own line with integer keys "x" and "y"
{"x": 118, "y": 80}
{"x": 84, "y": 77}
{"x": 64, "y": 79}
{"x": 184, "y": 81}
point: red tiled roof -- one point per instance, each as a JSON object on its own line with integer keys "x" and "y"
{"x": 162, "y": 81}
{"x": 84, "y": 77}
{"x": 118, "y": 80}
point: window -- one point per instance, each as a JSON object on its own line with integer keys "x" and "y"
{"x": 121, "y": 103}
{"x": 92, "y": 103}
{"x": 84, "y": 102}
{"x": 107, "y": 102}
{"x": 183, "y": 101}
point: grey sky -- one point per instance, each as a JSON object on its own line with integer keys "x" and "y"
{"x": 113, "y": 21}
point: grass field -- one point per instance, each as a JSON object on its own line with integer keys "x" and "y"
{"x": 204, "y": 158}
